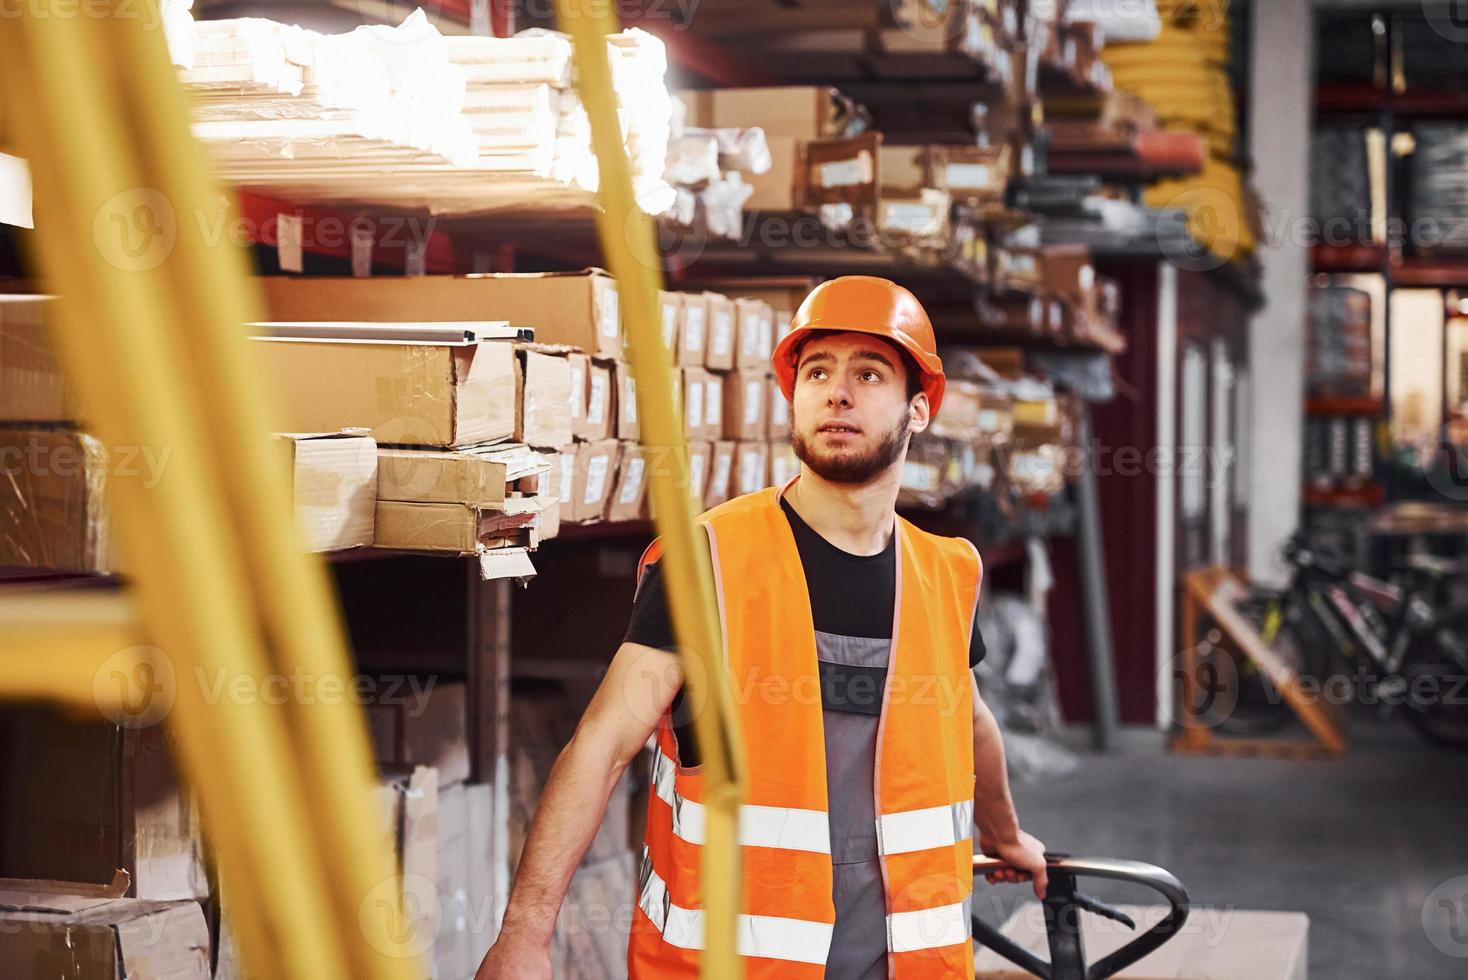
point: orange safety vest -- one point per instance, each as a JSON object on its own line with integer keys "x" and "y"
{"x": 924, "y": 779}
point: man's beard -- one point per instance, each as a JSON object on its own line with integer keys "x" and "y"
{"x": 851, "y": 468}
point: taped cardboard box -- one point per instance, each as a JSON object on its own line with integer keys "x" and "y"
{"x": 625, "y": 387}
{"x": 746, "y": 400}
{"x": 423, "y": 727}
{"x": 580, "y": 308}
{"x": 751, "y": 469}
{"x": 692, "y": 329}
{"x": 843, "y": 172}
{"x": 721, "y": 321}
{"x": 713, "y": 405}
{"x": 333, "y": 486}
{"x": 721, "y": 474}
{"x": 543, "y": 416}
{"x": 627, "y": 500}
{"x": 449, "y": 395}
{"x": 80, "y": 932}
{"x": 54, "y": 498}
{"x": 755, "y": 333}
{"x": 593, "y": 476}
{"x": 84, "y": 799}
{"x": 483, "y": 476}
{"x": 31, "y": 385}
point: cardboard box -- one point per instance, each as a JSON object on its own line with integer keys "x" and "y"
{"x": 31, "y": 384}
{"x": 84, "y": 799}
{"x": 970, "y": 174}
{"x": 781, "y": 188}
{"x": 61, "y": 929}
{"x": 580, "y": 308}
{"x": 1065, "y": 271}
{"x": 784, "y": 466}
{"x": 670, "y": 313}
{"x": 755, "y": 334}
{"x": 700, "y": 455}
{"x": 800, "y": 111}
{"x": 693, "y": 329}
{"x": 713, "y": 405}
{"x": 424, "y": 729}
{"x": 721, "y": 474}
{"x": 904, "y": 170}
{"x": 1260, "y": 946}
{"x": 626, "y": 501}
{"x": 53, "y": 498}
{"x": 720, "y": 353}
{"x": 626, "y": 399}
{"x": 692, "y": 382}
{"x": 456, "y": 528}
{"x": 919, "y": 219}
{"x": 407, "y": 394}
{"x": 843, "y": 171}
{"x": 580, "y": 364}
{"x": 779, "y": 411}
{"x": 593, "y": 477}
{"x": 480, "y": 477}
{"x": 751, "y": 467}
{"x": 746, "y": 402}
{"x": 334, "y": 487}
{"x": 601, "y": 402}
{"x": 542, "y": 396}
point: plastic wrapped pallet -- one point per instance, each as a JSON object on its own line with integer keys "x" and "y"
{"x": 1340, "y": 183}
{"x": 1440, "y": 183}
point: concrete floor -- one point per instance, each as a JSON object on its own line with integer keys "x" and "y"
{"x": 1359, "y": 844}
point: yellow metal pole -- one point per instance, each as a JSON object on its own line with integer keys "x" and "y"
{"x": 74, "y": 109}
{"x": 299, "y": 616}
{"x": 84, "y": 650}
{"x": 631, "y": 252}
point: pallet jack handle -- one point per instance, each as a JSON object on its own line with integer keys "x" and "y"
{"x": 1063, "y": 905}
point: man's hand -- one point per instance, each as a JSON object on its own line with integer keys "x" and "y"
{"x": 513, "y": 959}
{"x": 1024, "y": 854}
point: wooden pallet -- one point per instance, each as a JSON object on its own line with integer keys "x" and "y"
{"x": 1215, "y": 591}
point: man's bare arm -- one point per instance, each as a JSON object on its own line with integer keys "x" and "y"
{"x": 638, "y": 687}
{"x": 999, "y": 831}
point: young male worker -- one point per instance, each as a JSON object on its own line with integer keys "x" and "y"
{"x": 849, "y": 640}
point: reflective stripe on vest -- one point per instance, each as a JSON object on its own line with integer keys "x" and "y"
{"x": 790, "y": 828}
{"x": 945, "y": 925}
{"x": 765, "y": 936}
{"x": 919, "y": 830}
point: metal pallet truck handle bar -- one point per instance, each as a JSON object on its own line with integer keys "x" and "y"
{"x": 154, "y": 336}
{"x": 629, "y": 245}
{"x": 1070, "y": 868}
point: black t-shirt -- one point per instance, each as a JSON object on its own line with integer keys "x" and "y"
{"x": 851, "y": 598}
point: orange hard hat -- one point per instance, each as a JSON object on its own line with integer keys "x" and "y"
{"x": 864, "y": 304}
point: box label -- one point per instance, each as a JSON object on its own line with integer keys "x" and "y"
{"x": 722, "y": 341}
{"x": 749, "y": 335}
{"x": 915, "y": 219}
{"x": 967, "y": 176}
{"x": 610, "y": 324}
{"x": 750, "y": 475}
{"x": 846, "y": 173}
{"x": 596, "y": 408}
{"x": 568, "y": 472}
{"x": 629, "y": 399}
{"x": 670, "y": 325}
{"x": 578, "y": 388}
{"x": 722, "y": 466}
{"x": 713, "y": 401}
{"x": 779, "y": 408}
{"x": 694, "y": 408}
{"x": 632, "y": 483}
{"x": 596, "y": 478}
{"x": 693, "y": 325}
{"x": 695, "y": 474}
{"x": 753, "y": 395}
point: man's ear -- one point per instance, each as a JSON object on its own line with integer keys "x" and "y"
{"x": 919, "y": 413}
